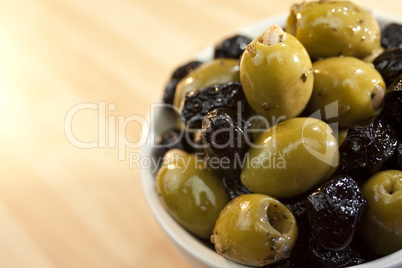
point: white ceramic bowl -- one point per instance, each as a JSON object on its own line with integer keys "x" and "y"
{"x": 195, "y": 253}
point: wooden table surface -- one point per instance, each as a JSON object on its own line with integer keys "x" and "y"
{"x": 76, "y": 77}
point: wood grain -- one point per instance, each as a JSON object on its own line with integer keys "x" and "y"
{"x": 64, "y": 206}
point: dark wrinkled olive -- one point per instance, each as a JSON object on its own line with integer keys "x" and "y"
{"x": 389, "y": 64}
{"x": 366, "y": 148}
{"x": 352, "y": 255}
{"x": 231, "y": 47}
{"x": 198, "y": 143}
{"x": 228, "y": 140}
{"x": 335, "y": 212}
{"x": 395, "y": 162}
{"x": 234, "y": 186}
{"x": 172, "y": 139}
{"x": 199, "y": 102}
{"x": 396, "y": 85}
{"x": 393, "y": 102}
{"x": 177, "y": 75}
{"x": 391, "y": 36}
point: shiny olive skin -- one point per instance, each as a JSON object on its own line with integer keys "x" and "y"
{"x": 277, "y": 79}
{"x": 340, "y": 135}
{"x": 356, "y": 85}
{"x": 213, "y": 72}
{"x": 334, "y": 28}
{"x": 382, "y": 226}
{"x": 192, "y": 194}
{"x": 291, "y": 158}
{"x": 255, "y": 229}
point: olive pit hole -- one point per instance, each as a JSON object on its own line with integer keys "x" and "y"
{"x": 396, "y": 187}
{"x": 277, "y": 218}
{"x": 392, "y": 186}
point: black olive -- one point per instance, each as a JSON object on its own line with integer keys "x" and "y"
{"x": 231, "y": 47}
{"x": 391, "y": 36}
{"x": 335, "y": 212}
{"x": 389, "y": 64}
{"x": 393, "y": 112}
{"x": 398, "y": 157}
{"x": 298, "y": 258}
{"x": 366, "y": 148}
{"x": 395, "y": 162}
{"x": 198, "y": 143}
{"x": 354, "y": 254}
{"x": 172, "y": 139}
{"x": 177, "y": 75}
{"x": 393, "y": 101}
{"x": 228, "y": 140}
{"x": 234, "y": 186}
{"x": 199, "y": 102}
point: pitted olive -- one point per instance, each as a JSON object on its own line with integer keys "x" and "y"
{"x": 382, "y": 226}
{"x": 356, "y": 85}
{"x": 192, "y": 193}
{"x": 291, "y": 158}
{"x": 276, "y": 74}
{"x": 255, "y": 229}
{"x": 334, "y": 28}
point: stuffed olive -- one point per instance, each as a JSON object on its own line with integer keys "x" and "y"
{"x": 255, "y": 229}
{"x": 291, "y": 158}
{"x": 192, "y": 194}
{"x": 355, "y": 85}
{"x": 382, "y": 227}
{"x": 334, "y": 28}
{"x": 276, "y": 74}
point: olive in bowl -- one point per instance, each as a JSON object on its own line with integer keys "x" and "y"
{"x": 356, "y": 86}
{"x": 192, "y": 193}
{"x": 193, "y": 250}
{"x": 272, "y": 62}
{"x": 291, "y": 158}
{"x": 382, "y": 228}
{"x": 255, "y": 229}
{"x": 334, "y": 28}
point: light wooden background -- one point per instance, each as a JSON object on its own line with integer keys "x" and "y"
{"x": 65, "y": 206}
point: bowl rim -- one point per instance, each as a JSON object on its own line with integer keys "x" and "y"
{"x": 176, "y": 233}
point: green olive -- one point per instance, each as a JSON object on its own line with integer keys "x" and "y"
{"x": 355, "y": 85}
{"x": 192, "y": 194}
{"x": 276, "y": 74}
{"x": 341, "y": 135}
{"x": 374, "y": 54}
{"x": 291, "y": 158}
{"x": 255, "y": 229}
{"x": 216, "y": 71}
{"x": 334, "y": 28}
{"x": 382, "y": 226}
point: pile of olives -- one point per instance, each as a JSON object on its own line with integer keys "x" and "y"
{"x": 287, "y": 150}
